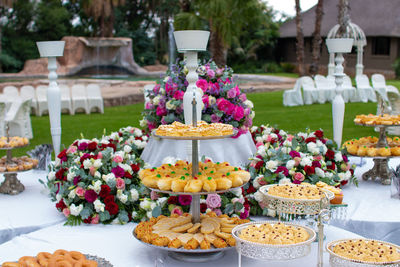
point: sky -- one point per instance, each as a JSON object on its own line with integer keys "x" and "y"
{"x": 287, "y": 6}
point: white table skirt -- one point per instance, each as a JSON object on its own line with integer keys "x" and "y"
{"x": 28, "y": 211}
{"x": 236, "y": 151}
{"x": 116, "y": 244}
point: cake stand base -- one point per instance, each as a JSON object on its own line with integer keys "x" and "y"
{"x": 11, "y": 185}
{"x": 196, "y": 257}
{"x": 381, "y": 170}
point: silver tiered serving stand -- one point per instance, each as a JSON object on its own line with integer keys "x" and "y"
{"x": 11, "y": 185}
{"x": 317, "y": 207}
{"x": 381, "y": 164}
{"x": 194, "y": 255}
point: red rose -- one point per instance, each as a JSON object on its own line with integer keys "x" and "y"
{"x": 112, "y": 208}
{"x": 259, "y": 165}
{"x": 319, "y": 133}
{"x": 311, "y": 139}
{"x": 251, "y": 189}
{"x": 90, "y": 195}
{"x": 351, "y": 171}
{"x": 135, "y": 167}
{"x": 316, "y": 164}
{"x": 330, "y": 154}
{"x": 92, "y": 146}
{"x": 173, "y": 200}
{"x": 114, "y": 147}
{"x": 88, "y": 220}
{"x": 332, "y": 166}
{"x": 60, "y": 175}
{"x": 128, "y": 175}
{"x": 343, "y": 182}
{"x": 309, "y": 170}
{"x": 62, "y": 154}
{"x": 104, "y": 191}
{"x": 75, "y": 143}
{"x": 61, "y": 205}
{"x": 119, "y": 134}
{"x": 203, "y": 207}
{"x": 109, "y": 199}
{"x": 246, "y": 206}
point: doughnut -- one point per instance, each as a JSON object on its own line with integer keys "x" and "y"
{"x": 28, "y": 261}
{"x": 11, "y": 264}
{"x": 60, "y": 252}
{"x": 86, "y": 263}
{"x": 74, "y": 256}
{"x": 59, "y": 261}
{"x": 43, "y": 258}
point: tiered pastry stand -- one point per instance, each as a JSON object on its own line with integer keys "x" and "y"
{"x": 381, "y": 164}
{"x": 319, "y": 207}
{"x": 11, "y": 185}
{"x": 194, "y": 255}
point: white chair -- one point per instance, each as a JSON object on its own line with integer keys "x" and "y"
{"x": 65, "y": 98}
{"x": 28, "y": 92}
{"x": 349, "y": 91}
{"x": 94, "y": 97}
{"x": 41, "y": 96}
{"x": 78, "y": 97}
{"x": 148, "y": 88}
{"x": 325, "y": 88}
{"x": 310, "y": 93}
{"x": 2, "y": 115}
{"x": 18, "y": 118}
{"x": 293, "y": 97}
{"x": 379, "y": 85}
{"x": 11, "y": 92}
{"x": 364, "y": 90}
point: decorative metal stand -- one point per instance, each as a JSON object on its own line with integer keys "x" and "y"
{"x": 318, "y": 207}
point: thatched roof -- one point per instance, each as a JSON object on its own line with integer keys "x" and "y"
{"x": 375, "y": 18}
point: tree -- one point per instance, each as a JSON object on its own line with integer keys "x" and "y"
{"x": 343, "y": 17}
{"x": 224, "y": 18}
{"x": 3, "y": 4}
{"x": 317, "y": 40}
{"x": 299, "y": 40}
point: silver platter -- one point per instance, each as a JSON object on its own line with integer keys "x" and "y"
{"x": 377, "y": 125}
{"x": 182, "y": 250}
{"x": 194, "y": 194}
{"x": 16, "y": 171}
{"x": 339, "y": 261}
{"x": 211, "y": 137}
{"x": 272, "y": 252}
{"x": 11, "y": 148}
{"x": 100, "y": 261}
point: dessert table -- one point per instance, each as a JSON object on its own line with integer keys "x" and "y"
{"x": 236, "y": 151}
{"x": 28, "y": 211}
{"x": 116, "y": 244}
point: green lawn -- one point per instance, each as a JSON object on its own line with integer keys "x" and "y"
{"x": 268, "y": 107}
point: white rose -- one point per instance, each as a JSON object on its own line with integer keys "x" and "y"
{"x": 285, "y": 181}
{"x": 286, "y": 150}
{"x": 149, "y": 214}
{"x": 256, "y": 184}
{"x": 137, "y": 132}
{"x": 319, "y": 172}
{"x": 305, "y": 161}
{"x": 77, "y": 160}
{"x": 134, "y": 195}
{"x": 248, "y": 103}
{"x": 236, "y": 191}
{"x": 348, "y": 175}
{"x": 98, "y": 206}
{"x": 166, "y": 79}
{"x": 143, "y": 123}
{"x": 304, "y": 135}
{"x": 75, "y": 210}
{"x": 156, "y": 100}
{"x": 153, "y": 205}
{"x": 161, "y": 201}
{"x": 253, "y": 129}
{"x": 203, "y": 201}
{"x": 271, "y": 213}
{"x": 328, "y": 175}
{"x": 87, "y": 163}
{"x": 208, "y": 210}
{"x": 342, "y": 176}
{"x": 114, "y": 135}
{"x": 259, "y": 139}
{"x": 57, "y": 162}
{"x": 258, "y": 196}
{"x": 287, "y": 143}
{"x": 292, "y": 172}
{"x": 145, "y": 204}
{"x": 139, "y": 143}
{"x": 252, "y": 114}
{"x": 312, "y": 147}
{"x": 97, "y": 186}
{"x": 58, "y": 197}
{"x": 290, "y": 164}
{"x": 169, "y": 105}
{"x": 338, "y": 156}
{"x": 273, "y": 136}
{"x": 71, "y": 194}
{"x": 261, "y": 151}
{"x": 70, "y": 176}
{"x": 123, "y": 198}
{"x": 134, "y": 214}
{"x": 108, "y": 177}
{"x": 51, "y": 176}
{"x": 97, "y": 174}
{"x": 97, "y": 163}
{"x": 272, "y": 165}
{"x": 126, "y": 167}
{"x": 144, "y": 138}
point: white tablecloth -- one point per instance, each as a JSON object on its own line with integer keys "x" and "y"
{"x": 236, "y": 151}
{"x": 371, "y": 212}
{"x": 116, "y": 244}
{"x": 28, "y": 211}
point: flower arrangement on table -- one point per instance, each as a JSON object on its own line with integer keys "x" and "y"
{"x": 95, "y": 181}
{"x": 303, "y": 157}
{"x": 222, "y": 99}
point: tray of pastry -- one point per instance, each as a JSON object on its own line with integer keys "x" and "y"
{"x": 18, "y": 164}
{"x": 179, "y": 234}
{"x": 296, "y": 199}
{"x": 271, "y": 240}
{"x": 13, "y": 142}
{"x": 177, "y": 178}
{"x": 372, "y": 120}
{"x": 363, "y": 252}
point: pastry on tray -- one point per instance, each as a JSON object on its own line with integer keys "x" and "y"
{"x": 367, "y": 147}
{"x": 338, "y": 199}
{"x": 23, "y": 163}
{"x": 366, "y": 250}
{"x": 12, "y": 142}
{"x": 58, "y": 258}
{"x": 178, "y": 177}
{"x": 373, "y": 120}
{"x": 202, "y": 129}
{"x": 180, "y": 232}
{"x": 295, "y": 191}
{"x": 274, "y": 234}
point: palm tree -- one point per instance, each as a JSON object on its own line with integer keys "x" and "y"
{"x": 102, "y": 11}
{"x": 299, "y": 40}
{"x": 225, "y": 20}
{"x": 317, "y": 40}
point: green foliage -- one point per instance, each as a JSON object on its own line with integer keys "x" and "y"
{"x": 287, "y": 67}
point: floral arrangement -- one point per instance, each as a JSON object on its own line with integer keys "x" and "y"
{"x": 222, "y": 99}
{"x": 95, "y": 181}
{"x": 303, "y": 157}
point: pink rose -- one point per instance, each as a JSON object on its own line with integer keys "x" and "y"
{"x": 161, "y": 111}
{"x": 259, "y": 144}
{"x": 118, "y": 159}
{"x": 156, "y": 89}
{"x": 120, "y": 183}
{"x": 99, "y": 155}
{"x": 215, "y": 118}
{"x": 231, "y": 93}
{"x": 213, "y": 201}
{"x": 238, "y": 113}
{"x": 247, "y": 111}
{"x": 149, "y": 105}
{"x": 80, "y": 191}
{"x": 205, "y": 101}
{"x": 202, "y": 84}
{"x": 242, "y": 97}
{"x": 151, "y": 125}
{"x": 169, "y": 88}
{"x": 227, "y": 81}
{"x": 298, "y": 176}
{"x": 154, "y": 195}
{"x": 211, "y": 73}
{"x": 218, "y": 212}
{"x": 269, "y": 138}
{"x": 297, "y": 161}
{"x": 178, "y": 94}
{"x": 219, "y": 72}
{"x": 95, "y": 219}
{"x": 244, "y": 214}
{"x": 225, "y": 106}
{"x": 318, "y": 157}
{"x": 71, "y": 149}
{"x": 290, "y": 137}
{"x": 66, "y": 212}
{"x": 177, "y": 210}
{"x": 92, "y": 170}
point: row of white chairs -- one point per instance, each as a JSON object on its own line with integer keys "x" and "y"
{"x": 322, "y": 89}
{"x": 78, "y": 97}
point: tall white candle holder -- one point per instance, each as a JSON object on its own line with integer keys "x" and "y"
{"x": 52, "y": 50}
{"x": 338, "y": 46}
{"x": 190, "y": 43}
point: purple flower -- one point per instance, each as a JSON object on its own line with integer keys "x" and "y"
{"x": 215, "y": 118}
{"x": 213, "y": 201}
{"x": 243, "y": 97}
{"x": 82, "y": 146}
{"x": 231, "y": 93}
{"x": 244, "y": 214}
{"x": 77, "y": 179}
{"x": 185, "y": 200}
{"x": 90, "y": 195}
{"x": 118, "y": 171}
{"x": 294, "y": 154}
{"x": 211, "y": 73}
